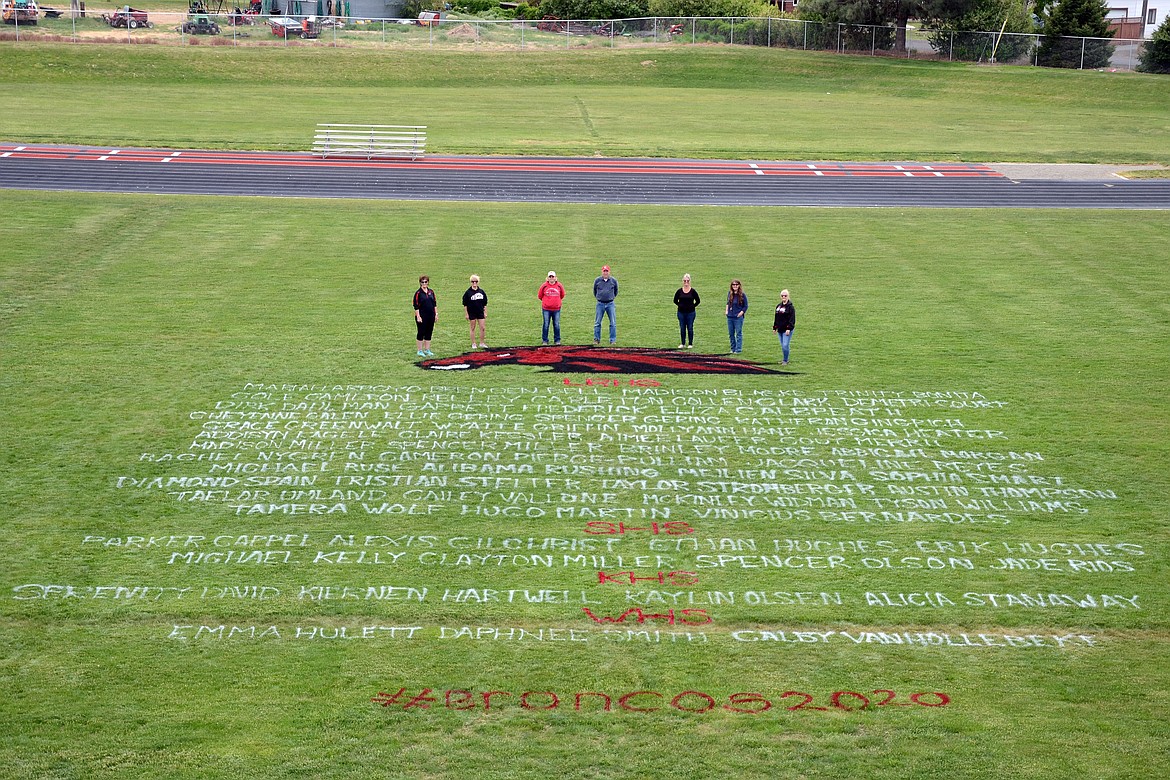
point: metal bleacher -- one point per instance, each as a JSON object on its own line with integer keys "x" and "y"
{"x": 370, "y": 141}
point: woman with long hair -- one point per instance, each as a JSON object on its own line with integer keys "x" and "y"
{"x": 737, "y": 306}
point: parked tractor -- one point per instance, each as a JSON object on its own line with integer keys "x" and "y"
{"x": 126, "y": 16}
{"x": 200, "y": 24}
{"x": 20, "y": 11}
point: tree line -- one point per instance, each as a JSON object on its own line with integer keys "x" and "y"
{"x": 953, "y": 25}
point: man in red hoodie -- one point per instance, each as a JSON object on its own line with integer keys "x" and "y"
{"x": 551, "y": 294}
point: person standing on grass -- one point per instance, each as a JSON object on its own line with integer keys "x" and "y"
{"x": 426, "y": 313}
{"x": 475, "y": 303}
{"x": 784, "y": 323}
{"x": 737, "y": 306}
{"x": 686, "y": 298}
{"x": 551, "y": 294}
{"x": 605, "y": 290}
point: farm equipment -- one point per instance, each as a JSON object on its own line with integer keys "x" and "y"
{"x": 284, "y": 27}
{"x": 200, "y": 24}
{"x": 20, "y": 11}
{"x": 249, "y": 15}
{"x": 555, "y": 25}
{"x": 126, "y": 16}
{"x": 552, "y": 24}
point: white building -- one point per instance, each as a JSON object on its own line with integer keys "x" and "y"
{"x": 1136, "y": 18}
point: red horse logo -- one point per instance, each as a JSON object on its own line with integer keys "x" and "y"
{"x": 583, "y": 359}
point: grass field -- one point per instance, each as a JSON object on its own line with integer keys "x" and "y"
{"x": 126, "y": 323}
{"x": 715, "y": 102}
{"x": 246, "y": 535}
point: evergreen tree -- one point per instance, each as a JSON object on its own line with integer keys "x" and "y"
{"x": 1155, "y": 56}
{"x": 1064, "y": 28}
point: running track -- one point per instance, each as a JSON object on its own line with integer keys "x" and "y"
{"x": 569, "y": 180}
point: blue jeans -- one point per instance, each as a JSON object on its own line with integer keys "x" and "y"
{"x": 785, "y": 340}
{"x": 602, "y": 309}
{"x": 555, "y": 317}
{"x": 686, "y": 327}
{"x": 735, "y": 333}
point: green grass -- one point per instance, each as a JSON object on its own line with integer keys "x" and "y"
{"x": 121, "y": 315}
{"x": 1161, "y": 173}
{"x": 714, "y": 102}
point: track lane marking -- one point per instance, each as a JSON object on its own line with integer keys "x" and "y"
{"x": 519, "y": 165}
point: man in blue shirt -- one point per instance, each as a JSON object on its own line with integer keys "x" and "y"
{"x": 605, "y": 290}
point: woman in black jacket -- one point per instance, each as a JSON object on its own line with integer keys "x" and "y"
{"x": 426, "y": 311}
{"x": 784, "y": 323}
{"x": 686, "y": 298}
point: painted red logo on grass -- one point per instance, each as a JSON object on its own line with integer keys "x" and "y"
{"x": 585, "y": 359}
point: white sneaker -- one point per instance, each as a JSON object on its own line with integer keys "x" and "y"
{"x": 682, "y": 346}
{"x": 483, "y": 346}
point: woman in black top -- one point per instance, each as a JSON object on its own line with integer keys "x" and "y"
{"x": 686, "y": 299}
{"x": 784, "y": 323}
{"x": 475, "y": 303}
{"x": 426, "y": 312}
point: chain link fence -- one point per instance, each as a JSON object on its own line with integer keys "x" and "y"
{"x": 238, "y": 29}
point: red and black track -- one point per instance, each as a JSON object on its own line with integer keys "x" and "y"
{"x": 542, "y": 179}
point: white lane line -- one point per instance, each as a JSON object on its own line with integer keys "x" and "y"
{"x": 758, "y": 171}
